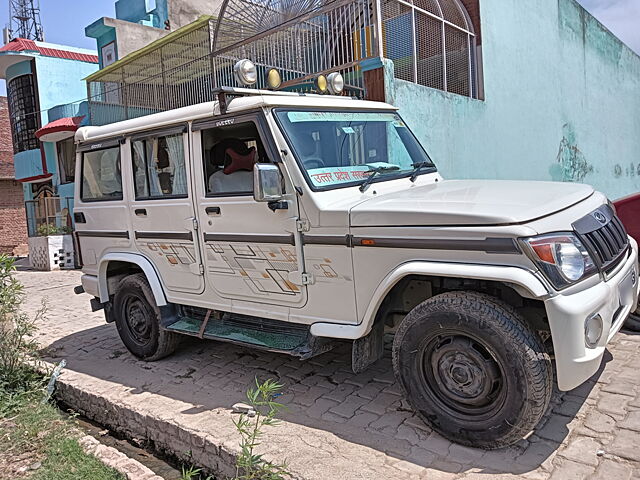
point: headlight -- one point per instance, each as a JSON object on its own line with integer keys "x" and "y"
{"x": 246, "y": 72}
{"x": 562, "y": 258}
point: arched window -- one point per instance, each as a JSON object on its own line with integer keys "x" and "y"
{"x": 432, "y": 43}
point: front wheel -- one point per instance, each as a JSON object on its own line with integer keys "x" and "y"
{"x": 472, "y": 369}
{"x": 137, "y": 318}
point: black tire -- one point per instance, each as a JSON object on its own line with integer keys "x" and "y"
{"x": 633, "y": 321}
{"x": 137, "y": 318}
{"x": 472, "y": 369}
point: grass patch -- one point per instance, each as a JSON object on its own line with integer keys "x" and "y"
{"x": 36, "y": 441}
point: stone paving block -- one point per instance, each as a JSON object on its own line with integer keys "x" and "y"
{"x": 309, "y": 397}
{"x": 599, "y": 422}
{"x": 582, "y": 450}
{"x": 370, "y": 390}
{"x": 340, "y": 392}
{"x": 626, "y": 444}
{"x": 613, "y": 403}
{"x": 381, "y": 403}
{"x": 632, "y": 421}
{"x": 348, "y": 408}
{"x": 556, "y": 428}
{"x": 612, "y": 470}
{"x": 569, "y": 470}
{"x": 320, "y": 406}
{"x": 362, "y": 419}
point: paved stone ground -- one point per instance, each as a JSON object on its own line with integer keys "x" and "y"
{"x": 338, "y": 425}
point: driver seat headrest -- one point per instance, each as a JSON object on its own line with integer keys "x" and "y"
{"x": 235, "y": 161}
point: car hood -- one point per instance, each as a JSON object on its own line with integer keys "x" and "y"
{"x": 468, "y": 202}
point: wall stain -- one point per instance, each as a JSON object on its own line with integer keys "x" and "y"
{"x": 631, "y": 171}
{"x": 571, "y": 164}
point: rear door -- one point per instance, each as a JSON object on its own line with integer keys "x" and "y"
{"x": 101, "y": 213}
{"x": 250, "y": 251}
{"x": 162, "y": 211}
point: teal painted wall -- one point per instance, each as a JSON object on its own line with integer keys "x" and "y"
{"x": 60, "y": 82}
{"x": 28, "y": 164}
{"x": 152, "y": 13}
{"x": 562, "y": 102}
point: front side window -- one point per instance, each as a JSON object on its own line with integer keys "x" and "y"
{"x": 338, "y": 149}
{"x": 23, "y": 108}
{"x": 66, "y": 160}
{"x": 159, "y": 167}
{"x": 230, "y": 152}
{"x": 101, "y": 175}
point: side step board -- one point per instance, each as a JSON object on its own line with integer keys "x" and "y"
{"x": 262, "y": 333}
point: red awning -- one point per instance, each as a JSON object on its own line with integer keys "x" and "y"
{"x": 59, "y": 129}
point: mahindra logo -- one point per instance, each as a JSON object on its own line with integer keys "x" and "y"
{"x": 600, "y": 217}
{"x": 633, "y": 277}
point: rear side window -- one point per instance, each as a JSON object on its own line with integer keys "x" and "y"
{"x": 101, "y": 175}
{"x": 158, "y": 167}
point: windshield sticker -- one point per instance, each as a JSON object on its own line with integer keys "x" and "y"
{"x": 398, "y": 124}
{"x": 348, "y": 130}
{"x": 296, "y": 117}
{"x": 336, "y": 175}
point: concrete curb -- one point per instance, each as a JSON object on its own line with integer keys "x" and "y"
{"x": 166, "y": 436}
{"x": 130, "y": 468}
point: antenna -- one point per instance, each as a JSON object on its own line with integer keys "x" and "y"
{"x": 25, "y": 20}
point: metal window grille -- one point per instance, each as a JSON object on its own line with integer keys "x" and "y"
{"x": 430, "y": 41}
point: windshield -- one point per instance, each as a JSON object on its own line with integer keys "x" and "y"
{"x": 338, "y": 149}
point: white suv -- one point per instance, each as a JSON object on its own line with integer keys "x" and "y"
{"x": 289, "y": 222}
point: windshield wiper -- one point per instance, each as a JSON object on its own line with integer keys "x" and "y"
{"x": 417, "y": 168}
{"x": 375, "y": 172}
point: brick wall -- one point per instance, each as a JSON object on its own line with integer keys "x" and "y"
{"x": 13, "y": 226}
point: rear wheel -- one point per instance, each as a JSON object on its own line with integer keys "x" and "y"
{"x": 633, "y": 321}
{"x": 471, "y": 368}
{"x": 137, "y": 318}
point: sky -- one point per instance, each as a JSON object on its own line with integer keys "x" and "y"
{"x": 64, "y": 21}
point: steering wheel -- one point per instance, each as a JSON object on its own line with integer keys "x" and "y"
{"x": 313, "y": 162}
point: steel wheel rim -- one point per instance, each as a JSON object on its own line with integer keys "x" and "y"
{"x": 462, "y": 375}
{"x": 138, "y": 319}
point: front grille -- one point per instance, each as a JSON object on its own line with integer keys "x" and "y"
{"x": 603, "y": 234}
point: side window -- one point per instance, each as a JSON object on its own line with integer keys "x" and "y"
{"x": 101, "y": 175}
{"x": 229, "y": 155}
{"x": 158, "y": 167}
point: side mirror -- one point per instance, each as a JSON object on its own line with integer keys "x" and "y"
{"x": 267, "y": 183}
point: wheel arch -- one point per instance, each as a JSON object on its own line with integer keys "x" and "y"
{"x": 139, "y": 263}
{"x": 522, "y": 281}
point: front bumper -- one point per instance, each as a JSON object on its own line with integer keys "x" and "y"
{"x": 613, "y": 300}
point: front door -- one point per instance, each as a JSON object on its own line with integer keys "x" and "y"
{"x": 162, "y": 208}
{"x": 249, "y": 248}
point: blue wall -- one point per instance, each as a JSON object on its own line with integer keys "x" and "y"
{"x": 61, "y": 82}
{"x": 152, "y": 13}
{"x": 562, "y": 102}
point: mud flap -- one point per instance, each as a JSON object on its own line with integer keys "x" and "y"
{"x": 368, "y": 350}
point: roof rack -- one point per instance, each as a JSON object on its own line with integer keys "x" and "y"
{"x": 221, "y": 93}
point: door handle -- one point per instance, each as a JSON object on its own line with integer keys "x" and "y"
{"x": 213, "y": 210}
{"x": 141, "y": 212}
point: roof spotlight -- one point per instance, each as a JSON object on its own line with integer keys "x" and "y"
{"x": 274, "y": 80}
{"x": 335, "y": 83}
{"x": 321, "y": 84}
{"x": 246, "y": 72}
